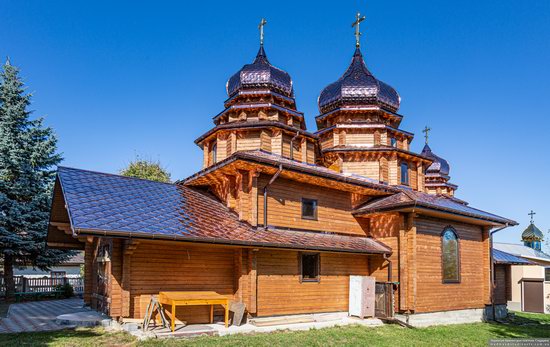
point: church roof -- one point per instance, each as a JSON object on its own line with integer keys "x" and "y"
{"x": 415, "y": 199}
{"x": 260, "y": 74}
{"x": 103, "y": 204}
{"x": 501, "y": 257}
{"x": 532, "y": 232}
{"x": 358, "y": 86}
{"x": 522, "y": 251}
{"x": 439, "y": 166}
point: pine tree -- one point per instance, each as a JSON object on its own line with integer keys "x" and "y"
{"x": 28, "y": 156}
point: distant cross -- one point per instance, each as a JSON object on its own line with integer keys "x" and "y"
{"x": 426, "y": 132}
{"x": 358, "y": 20}
{"x": 263, "y": 22}
{"x": 531, "y": 214}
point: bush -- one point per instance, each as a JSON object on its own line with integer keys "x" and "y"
{"x": 66, "y": 290}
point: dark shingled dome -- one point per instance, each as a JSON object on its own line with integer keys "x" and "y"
{"x": 439, "y": 166}
{"x": 260, "y": 74}
{"x": 358, "y": 86}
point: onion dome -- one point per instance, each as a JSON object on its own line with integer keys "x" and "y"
{"x": 358, "y": 86}
{"x": 439, "y": 167}
{"x": 260, "y": 74}
{"x": 532, "y": 233}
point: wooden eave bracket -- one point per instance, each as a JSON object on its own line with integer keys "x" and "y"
{"x": 130, "y": 246}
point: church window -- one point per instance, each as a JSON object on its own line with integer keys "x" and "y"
{"x": 214, "y": 153}
{"x": 450, "y": 257}
{"x": 309, "y": 209}
{"x": 309, "y": 267}
{"x": 404, "y": 173}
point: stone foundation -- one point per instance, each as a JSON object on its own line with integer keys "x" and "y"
{"x": 419, "y": 320}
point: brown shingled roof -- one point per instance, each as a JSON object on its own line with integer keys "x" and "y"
{"x": 111, "y": 205}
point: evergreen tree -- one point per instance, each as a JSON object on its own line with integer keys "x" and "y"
{"x": 146, "y": 169}
{"x": 28, "y": 156}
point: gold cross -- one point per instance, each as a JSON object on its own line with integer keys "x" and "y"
{"x": 531, "y": 214}
{"x": 358, "y": 20}
{"x": 263, "y": 22}
{"x": 426, "y": 131}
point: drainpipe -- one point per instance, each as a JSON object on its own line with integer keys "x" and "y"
{"x": 493, "y": 269}
{"x": 292, "y": 145}
{"x": 267, "y": 186}
{"x": 387, "y": 257}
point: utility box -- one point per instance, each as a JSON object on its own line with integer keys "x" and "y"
{"x": 362, "y": 296}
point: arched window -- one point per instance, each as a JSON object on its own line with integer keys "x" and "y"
{"x": 450, "y": 256}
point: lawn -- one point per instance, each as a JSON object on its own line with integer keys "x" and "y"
{"x": 523, "y": 326}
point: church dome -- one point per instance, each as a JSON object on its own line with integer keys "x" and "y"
{"x": 260, "y": 74}
{"x": 358, "y": 86}
{"x": 439, "y": 166}
{"x": 532, "y": 233}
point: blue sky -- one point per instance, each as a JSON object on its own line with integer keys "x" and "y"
{"x": 116, "y": 79}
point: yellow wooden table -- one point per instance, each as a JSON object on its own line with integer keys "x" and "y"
{"x": 175, "y": 299}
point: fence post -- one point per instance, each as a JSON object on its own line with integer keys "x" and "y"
{"x": 24, "y": 280}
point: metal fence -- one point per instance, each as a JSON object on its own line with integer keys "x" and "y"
{"x": 44, "y": 284}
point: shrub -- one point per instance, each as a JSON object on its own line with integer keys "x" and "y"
{"x": 66, "y": 290}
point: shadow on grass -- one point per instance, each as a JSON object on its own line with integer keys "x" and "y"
{"x": 80, "y": 337}
{"x": 522, "y": 325}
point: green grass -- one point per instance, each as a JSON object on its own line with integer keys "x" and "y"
{"x": 521, "y": 326}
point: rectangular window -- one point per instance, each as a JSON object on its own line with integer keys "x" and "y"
{"x": 309, "y": 267}
{"x": 58, "y": 274}
{"x": 547, "y": 274}
{"x": 393, "y": 142}
{"x": 214, "y": 153}
{"x": 405, "y": 174}
{"x": 309, "y": 209}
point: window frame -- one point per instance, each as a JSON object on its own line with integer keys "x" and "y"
{"x": 316, "y": 209}
{"x": 300, "y": 267}
{"x": 58, "y": 274}
{"x": 214, "y": 152}
{"x": 547, "y": 274}
{"x": 458, "y": 265}
{"x": 408, "y": 182}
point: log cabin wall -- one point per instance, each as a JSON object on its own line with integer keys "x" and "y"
{"x": 473, "y": 290}
{"x": 503, "y": 287}
{"x": 173, "y": 266}
{"x": 280, "y": 291}
{"x": 284, "y": 207}
{"x": 386, "y": 228}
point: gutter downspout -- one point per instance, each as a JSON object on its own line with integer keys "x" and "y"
{"x": 493, "y": 269}
{"x": 387, "y": 257}
{"x": 292, "y": 145}
{"x": 267, "y": 186}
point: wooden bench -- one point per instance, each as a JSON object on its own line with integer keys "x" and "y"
{"x": 175, "y": 299}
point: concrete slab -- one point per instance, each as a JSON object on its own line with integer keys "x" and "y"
{"x": 83, "y": 319}
{"x": 320, "y": 321}
{"x": 420, "y": 320}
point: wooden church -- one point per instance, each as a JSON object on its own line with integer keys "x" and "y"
{"x": 279, "y": 217}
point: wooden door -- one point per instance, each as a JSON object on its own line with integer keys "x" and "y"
{"x": 533, "y": 296}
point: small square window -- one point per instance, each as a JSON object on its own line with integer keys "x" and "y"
{"x": 309, "y": 209}
{"x": 547, "y": 274}
{"x": 309, "y": 267}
